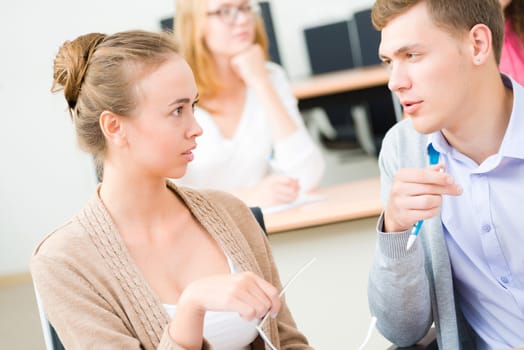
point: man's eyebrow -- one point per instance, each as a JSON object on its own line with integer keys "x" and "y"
{"x": 401, "y": 50}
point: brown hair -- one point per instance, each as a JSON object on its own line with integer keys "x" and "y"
{"x": 515, "y": 11}
{"x": 456, "y": 16}
{"x": 98, "y": 72}
{"x": 188, "y": 29}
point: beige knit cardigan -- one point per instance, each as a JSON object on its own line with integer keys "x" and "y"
{"x": 96, "y": 298}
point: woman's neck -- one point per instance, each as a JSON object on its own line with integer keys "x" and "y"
{"x": 136, "y": 204}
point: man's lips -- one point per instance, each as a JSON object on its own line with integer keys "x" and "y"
{"x": 411, "y": 107}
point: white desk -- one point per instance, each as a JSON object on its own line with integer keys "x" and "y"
{"x": 348, "y": 201}
{"x": 329, "y": 299}
{"x": 354, "y": 79}
{"x": 341, "y": 81}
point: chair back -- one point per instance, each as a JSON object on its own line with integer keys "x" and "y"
{"x": 51, "y": 340}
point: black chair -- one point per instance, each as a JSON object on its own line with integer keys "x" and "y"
{"x": 350, "y": 44}
{"x": 51, "y": 339}
{"x": 329, "y": 49}
{"x": 379, "y": 101}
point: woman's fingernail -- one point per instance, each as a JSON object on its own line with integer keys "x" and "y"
{"x": 274, "y": 315}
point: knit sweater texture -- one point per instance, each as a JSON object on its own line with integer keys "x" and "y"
{"x": 96, "y": 298}
{"x": 410, "y": 290}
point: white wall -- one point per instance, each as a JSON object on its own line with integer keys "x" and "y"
{"x": 44, "y": 178}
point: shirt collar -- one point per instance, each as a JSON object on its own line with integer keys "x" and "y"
{"x": 512, "y": 142}
{"x": 439, "y": 143}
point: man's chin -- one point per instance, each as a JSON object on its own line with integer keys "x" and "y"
{"x": 422, "y": 126}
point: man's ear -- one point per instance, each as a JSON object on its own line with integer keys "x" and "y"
{"x": 113, "y": 128}
{"x": 481, "y": 44}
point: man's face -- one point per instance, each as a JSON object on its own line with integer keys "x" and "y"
{"x": 429, "y": 69}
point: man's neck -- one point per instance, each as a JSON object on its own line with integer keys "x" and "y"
{"x": 479, "y": 134}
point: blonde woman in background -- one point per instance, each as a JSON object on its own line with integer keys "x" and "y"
{"x": 255, "y": 144}
{"x": 147, "y": 265}
{"x": 512, "y": 57}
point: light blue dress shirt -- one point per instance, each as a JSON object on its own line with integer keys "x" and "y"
{"x": 484, "y": 232}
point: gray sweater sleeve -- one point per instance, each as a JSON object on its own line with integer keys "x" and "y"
{"x": 398, "y": 290}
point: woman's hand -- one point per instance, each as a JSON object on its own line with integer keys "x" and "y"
{"x": 250, "y": 66}
{"x": 276, "y": 189}
{"x": 416, "y": 194}
{"x": 246, "y": 293}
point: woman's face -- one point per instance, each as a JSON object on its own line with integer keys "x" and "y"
{"x": 161, "y": 132}
{"x": 504, "y": 3}
{"x": 229, "y": 27}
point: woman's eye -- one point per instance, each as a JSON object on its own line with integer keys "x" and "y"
{"x": 177, "y": 111}
{"x": 194, "y": 105}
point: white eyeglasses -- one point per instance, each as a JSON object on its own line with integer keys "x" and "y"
{"x": 229, "y": 13}
{"x": 286, "y": 286}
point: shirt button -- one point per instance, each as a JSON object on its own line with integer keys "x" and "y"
{"x": 486, "y": 227}
{"x": 504, "y": 279}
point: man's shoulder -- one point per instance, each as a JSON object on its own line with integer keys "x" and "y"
{"x": 404, "y": 134}
{"x": 404, "y": 144}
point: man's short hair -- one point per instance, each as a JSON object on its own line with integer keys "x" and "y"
{"x": 455, "y": 16}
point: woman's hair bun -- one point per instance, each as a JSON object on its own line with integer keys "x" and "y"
{"x": 71, "y": 64}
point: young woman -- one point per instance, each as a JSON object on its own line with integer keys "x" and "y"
{"x": 147, "y": 265}
{"x": 512, "y": 57}
{"x": 255, "y": 144}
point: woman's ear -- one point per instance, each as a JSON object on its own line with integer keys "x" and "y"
{"x": 481, "y": 43}
{"x": 113, "y": 128}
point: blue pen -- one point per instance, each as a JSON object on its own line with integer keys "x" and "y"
{"x": 433, "y": 159}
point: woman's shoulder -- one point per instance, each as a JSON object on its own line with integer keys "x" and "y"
{"x": 68, "y": 248}
{"x": 215, "y": 197}
{"x": 61, "y": 239}
{"x": 72, "y": 243}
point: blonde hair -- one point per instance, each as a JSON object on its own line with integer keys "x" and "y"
{"x": 456, "y": 16}
{"x": 190, "y": 16}
{"x": 98, "y": 72}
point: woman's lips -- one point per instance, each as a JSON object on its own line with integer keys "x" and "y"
{"x": 188, "y": 155}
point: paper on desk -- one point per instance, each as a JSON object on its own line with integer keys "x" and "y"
{"x": 301, "y": 200}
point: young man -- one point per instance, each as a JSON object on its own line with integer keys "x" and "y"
{"x": 465, "y": 271}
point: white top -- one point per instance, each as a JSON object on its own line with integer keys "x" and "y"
{"x": 251, "y": 154}
{"x": 225, "y": 330}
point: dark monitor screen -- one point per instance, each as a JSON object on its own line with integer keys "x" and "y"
{"x": 329, "y": 47}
